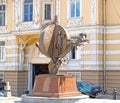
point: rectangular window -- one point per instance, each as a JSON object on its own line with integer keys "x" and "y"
{"x": 28, "y": 10}
{"x": 1, "y": 76}
{"x": 2, "y": 50}
{"x": 74, "y": 8}
{"x": 2, "y": 15}
{"x": 47, "y": 11}
{"x": 73, "y": 53}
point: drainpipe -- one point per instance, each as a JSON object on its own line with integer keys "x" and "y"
{"x": 104, "y": 46}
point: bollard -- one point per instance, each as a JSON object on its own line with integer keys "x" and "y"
{"x": 114, "y": 94}
{"x": 7, "y": 91}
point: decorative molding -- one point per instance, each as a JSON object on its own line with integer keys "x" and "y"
{"x": 43, "y": 18}
{"x": 3, "y": 29}
{"x": 74, "y": 22}
{"x": 93, "y": 12}
{"x": 36, "y": 12}
{"x": 18, "y": 15}
{"x": 58, "y": 8}
{"x": 3, "y": 2}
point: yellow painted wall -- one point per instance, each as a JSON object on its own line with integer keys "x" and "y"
{"x": 9, "y": 51}
{"x": 113, "y": 36}
{"x": 87, "y": 57}
{"x": 9, "y": 15}
{"x": 112, "y": 57}
{"x": 112, "y": 12}
{"x": 99, "y": 11}
{"x": 113, "y": 47}
{"x": 99, "y": 57}
{"x": 99, "y": 47}
{"x": 99, "y": 37}
{"x": 63, "y": 18}
{"x": 86, "y": 11}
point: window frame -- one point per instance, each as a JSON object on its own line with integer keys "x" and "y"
{"x": 73, "y": 53}
{"x": 46, "y": 11}
{"x": 2, "y": 76}
{"x": 69, "y": 8}
{"x": 28, "y": 12}
{"x": 3, "y": 12}
{"x": 2, "y": 52}
{"x": 47, "y": 2}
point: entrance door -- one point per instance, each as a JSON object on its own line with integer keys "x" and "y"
{"x": 39, "y": 69}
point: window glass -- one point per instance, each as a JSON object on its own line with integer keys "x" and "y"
{"x": 78, "y": 9}
{"x": 2, "y": 50}
{"x": 47, "y": 11}
{"x": 1, "y": 76}
{"x": 28, "y": 10}
{"x": 2, "y": 15}
{"x": 73, "y": 53}
{"x": 74, "y": 8}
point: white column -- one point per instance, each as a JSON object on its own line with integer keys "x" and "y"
{"x": 93, "y": 12}
{"x": 58, "y": 5}
{"x": 36, "y": 11}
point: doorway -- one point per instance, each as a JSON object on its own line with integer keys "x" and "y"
{"x": 39, "y": 69}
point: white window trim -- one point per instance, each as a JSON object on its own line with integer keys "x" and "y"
{"x": 69, "y": 11}
{"x": 3, "y": 75}
{"x": 47, "y": 2}
{"x": 19, "y": 23}
{"x": 4, "y": 3}
{"x": 3, "y": 28}
{"x": 2, "y": 60}
{"x": 22, "y": 14}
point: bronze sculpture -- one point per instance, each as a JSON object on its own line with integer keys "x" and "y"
{"x": 55, "y": 43}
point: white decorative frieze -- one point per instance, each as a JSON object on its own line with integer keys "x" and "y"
{"x": 93, "y": 12}
{"x": 36, "y": 18}
{"x": 2, "y": 2}
{"x": 26, "y": 26}
{"x": 2, "y": 29}
{"x": 74, "y": 22}
{"x": 58, "y": 8}
{"x": 18, "y": 15}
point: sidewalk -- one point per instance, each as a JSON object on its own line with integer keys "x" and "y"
{"x": 101, "y": 98}
{"x": 10, "y": 100}
{"x": 107, "y": 96}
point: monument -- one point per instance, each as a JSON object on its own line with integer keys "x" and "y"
{"x": 55, "y": 43}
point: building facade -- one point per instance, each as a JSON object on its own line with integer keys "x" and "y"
{"x": 97, "y": 61}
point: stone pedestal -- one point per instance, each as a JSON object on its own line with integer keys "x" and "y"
{"x": 55, "y": 86}
{"x": 72, "y": 99}
{"x": 54, "y": 89}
